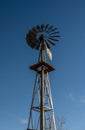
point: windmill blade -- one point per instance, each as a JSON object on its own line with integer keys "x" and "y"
{"x": 42, "y": 27}
{"x": 50, "y": 28}
{"x": 37, "y": 44}
{"x": 29, "y": 40}
{"x": 31, "y": 43}
{"x": 35, "y": 30}
{"x": 32, "y": 34}
{"x": 46, "y": 27}
{"x": 47, "y": 44}
{"x": 54, "y": 39}
{"x": 53, "y": 33}
{"x": 52, "y": 43}
{"x": 34, "y": 44}
{"x": 39, "y": 28}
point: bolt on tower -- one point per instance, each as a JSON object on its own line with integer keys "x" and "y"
{"x": 41, "y": 116}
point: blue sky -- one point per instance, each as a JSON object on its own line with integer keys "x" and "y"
{"x": 17, "y": 81}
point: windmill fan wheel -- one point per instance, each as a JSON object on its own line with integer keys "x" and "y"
{"x": 39, "y": 34}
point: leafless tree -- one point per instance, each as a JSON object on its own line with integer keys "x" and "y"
{"x": 61, "y": 123}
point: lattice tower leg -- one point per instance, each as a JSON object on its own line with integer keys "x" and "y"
{"x": 34, "y": 118}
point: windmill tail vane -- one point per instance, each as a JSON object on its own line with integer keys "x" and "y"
{"x": 49, "y": 53}
{"x": 41, "y": 38}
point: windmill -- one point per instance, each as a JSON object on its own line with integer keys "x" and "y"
{"x": 41, "y": 117}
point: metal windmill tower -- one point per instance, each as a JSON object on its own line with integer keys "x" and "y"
{"x": 41, "y": 116}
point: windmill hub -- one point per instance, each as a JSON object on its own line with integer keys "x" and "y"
{"x": 41, "y": 38}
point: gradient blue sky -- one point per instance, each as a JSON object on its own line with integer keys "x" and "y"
{"x": 17, "y": 81}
